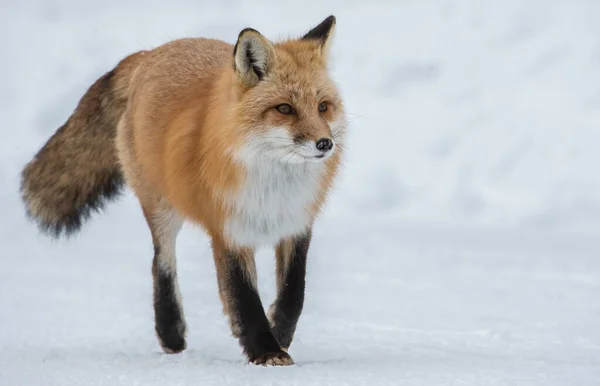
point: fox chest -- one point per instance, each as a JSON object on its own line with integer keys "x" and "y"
{"x": 274, "y": 202}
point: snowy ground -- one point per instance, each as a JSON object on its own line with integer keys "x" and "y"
{"x": 461, "y": 246}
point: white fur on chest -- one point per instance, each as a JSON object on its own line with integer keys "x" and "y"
{"x": 274, "y": 202}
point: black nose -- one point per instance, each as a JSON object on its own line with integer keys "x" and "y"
{"x": 324, "y": 144}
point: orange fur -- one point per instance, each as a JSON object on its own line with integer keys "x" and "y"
{"x": 189, "y": 113}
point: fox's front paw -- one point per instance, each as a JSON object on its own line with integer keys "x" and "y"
{"x": 280, "y": 358}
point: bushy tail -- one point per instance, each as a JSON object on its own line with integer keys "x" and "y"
{"x": 77, "y": 171}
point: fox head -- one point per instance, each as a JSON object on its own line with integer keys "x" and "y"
{"x": 289, "y": 108}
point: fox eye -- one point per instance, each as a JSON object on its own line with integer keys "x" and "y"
{"x": 322, "y": 107}
{"x": 284, "y": 108}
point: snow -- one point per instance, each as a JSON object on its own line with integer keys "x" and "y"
{"x": 460, "y": 247}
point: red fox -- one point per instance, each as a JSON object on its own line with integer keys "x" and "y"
{"x": 244, "y": 140}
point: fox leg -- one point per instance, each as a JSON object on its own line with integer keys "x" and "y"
{"x": 236, "y": 273}
{"x": 169, "y": 320}
{"x": 291, "y": 271}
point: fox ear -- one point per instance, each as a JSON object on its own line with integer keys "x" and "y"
{"x": 253, "y": 56}
{"x": 322, "y": 33}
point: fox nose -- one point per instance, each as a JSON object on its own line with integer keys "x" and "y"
{"x": 324, "y": 144}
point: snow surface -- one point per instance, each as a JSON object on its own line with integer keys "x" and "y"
{"x": 461, "y": 245}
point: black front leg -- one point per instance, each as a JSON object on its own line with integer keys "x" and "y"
{"x": 291, "y": 272}
{"x": 242, "y": 303}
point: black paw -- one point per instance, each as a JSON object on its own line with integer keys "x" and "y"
{"x": 172, "y": 340}
{"x": 280, "y": 358}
